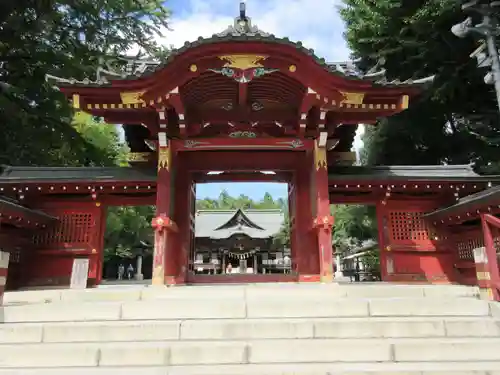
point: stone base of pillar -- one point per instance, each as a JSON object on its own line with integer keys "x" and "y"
{"x": 339, "y": 276}
{"x": 139, "y": 276}
{"x": 4, "y": 266}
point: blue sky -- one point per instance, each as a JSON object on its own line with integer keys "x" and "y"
{"x": 314, "y": 22}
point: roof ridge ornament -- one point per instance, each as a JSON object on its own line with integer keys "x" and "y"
{"x": 242, "y": 26}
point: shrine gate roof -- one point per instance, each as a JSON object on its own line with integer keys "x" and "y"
{"x": 408, "y": 172}
{"x": 242, "y": 31}
{"x": 469, "y": 207}
{"x": 13, "y": 213}
{"x": 222, "y": 224}
{"x": 14, "y": 174}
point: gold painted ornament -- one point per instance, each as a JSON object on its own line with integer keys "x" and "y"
{"x": 164, "y": 158}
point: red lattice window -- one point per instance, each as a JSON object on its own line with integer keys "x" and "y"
{"x": 72, "y": 228}
{"x": 466, "y": 247}
{"x": 408, "y": 226}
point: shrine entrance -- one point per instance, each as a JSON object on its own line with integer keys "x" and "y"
{"x": 237, "y": 257}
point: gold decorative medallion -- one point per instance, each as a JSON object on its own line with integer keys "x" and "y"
{"x": 292, "y": 68}
{"x": 352, "y": 97}
{"x": 193, "y": 68}
{"x": 164, "y": 158}
{"x": 132, "y": 97}
{"x": 138, "y": 156}
{"x": 243, "y": 62}
{"x": 405, "y": 101}
{"x": 76, "y": 101}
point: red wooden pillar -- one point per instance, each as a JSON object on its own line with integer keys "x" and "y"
{"x": 485, "y": 258}
{"x": 323, "y": 221}
{"x": 386, "y": 261}
{"x": 100, "y": 250}
{"x": 305, "y": 239}
{"x": 162, "y": 223}
{"x": 96, "y": 258}
{"x": 291, "y": 223}
{"x": 4, "y": 266}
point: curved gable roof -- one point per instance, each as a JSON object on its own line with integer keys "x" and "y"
{"x": 220, "y": 224}
{"x": 241, "y": 31}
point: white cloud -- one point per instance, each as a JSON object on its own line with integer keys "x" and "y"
{"x": 314, "y": 22}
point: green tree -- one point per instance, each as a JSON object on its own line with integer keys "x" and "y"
{"x": 65, "y": 39}
{"x": 102, "y": 141}
{"x": 227, "y": 202}
{"x": 282, "y": 238}
{"x": 456, "y": 120}
{"x": 127, "y": 227}
{"x": 353, "y": 225}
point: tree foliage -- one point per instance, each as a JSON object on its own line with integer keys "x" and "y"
{"x": 226, "y": 202}
{"x": 456, "y": 120}
{"x": 128, "y": 229}
{"x": 353, "y": 225}
{"x": 66, "y": 39}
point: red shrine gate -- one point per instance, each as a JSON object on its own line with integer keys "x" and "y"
{"x": 239, "y": 102}
{"x": 292, "y": 160}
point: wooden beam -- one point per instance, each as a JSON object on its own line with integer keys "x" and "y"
{"x": 241, "y": 115}
{"x": 309, "y": 99}
{"x": 332, "y": 143}
{"x": 243, "y": 177}
{"x": 175, "y": 101}
{"x": 239, "y": 144}
{"x": 493, "y": 220}
{"x": 238, "y": 161}
{"x": 242, "y": 94}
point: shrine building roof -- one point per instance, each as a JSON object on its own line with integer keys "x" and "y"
{"x": 222, "y": 224}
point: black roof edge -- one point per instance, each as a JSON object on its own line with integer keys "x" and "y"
{"x": 476, "y": 199}
{"x": 4, "y": 201}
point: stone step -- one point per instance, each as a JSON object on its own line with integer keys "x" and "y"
{"x": 164, "y": 353}
{"x": 233, "y": 308}
{"x": 247, "y": 329}
{"x": 286, "y": 290}
{"x": 456, "y": 368}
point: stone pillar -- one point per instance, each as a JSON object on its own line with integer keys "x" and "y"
{"x": 255, "y": 263}
{"x": 138, "y": 274}
{"x": 323, "y": 221}
{"x": 162, "y": 223}
{"x": 4, "y": 266}
{"x": 339, "y": 274}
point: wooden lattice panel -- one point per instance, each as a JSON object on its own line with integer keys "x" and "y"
{"x": 407, "y": 226}
{"x": 73, "y": 228}
{"x": 466, "y": 247}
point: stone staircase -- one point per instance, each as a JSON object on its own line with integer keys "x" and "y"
{"x": 255, "y": 329}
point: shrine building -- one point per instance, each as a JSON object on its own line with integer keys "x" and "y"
{"x": 244, "y": 239}
{"x": 241, "y": 102}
